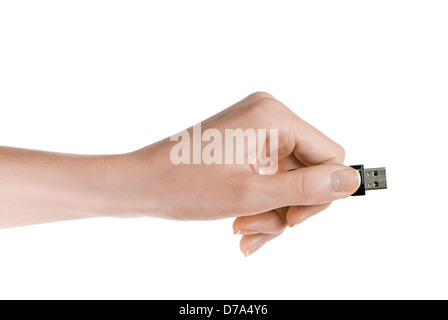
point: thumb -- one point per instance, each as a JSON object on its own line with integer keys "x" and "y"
{"x": 305, "y": 186}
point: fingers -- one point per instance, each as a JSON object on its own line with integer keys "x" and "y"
{"x": 259, "y": 229}
{"x": 312, "y": 147}
{"x": 320, "y": 179}
{"x": 305, "y": 186}
{"x": 308, "y": 144}
{"x": 298, "y": 214}
{"x": 267, "y": 222}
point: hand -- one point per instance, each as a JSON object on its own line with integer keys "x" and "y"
{"x": 262, "y": 204}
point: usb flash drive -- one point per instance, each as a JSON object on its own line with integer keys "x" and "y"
{"x": 371, "y": 179}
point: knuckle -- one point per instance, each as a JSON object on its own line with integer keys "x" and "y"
{"x": 259, "y": 95}
{"x": 339, "y": 152}
{"x": 278, "y": 226}
{"x": 266, "y": 104}
{"x": 301, "y": 188}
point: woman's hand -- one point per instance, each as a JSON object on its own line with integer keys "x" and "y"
{"x": 169, "y": 180}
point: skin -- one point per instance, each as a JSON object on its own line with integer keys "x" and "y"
{"x": 41, "y": 187}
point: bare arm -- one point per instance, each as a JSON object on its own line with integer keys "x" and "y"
{"x": 39, "y": 187}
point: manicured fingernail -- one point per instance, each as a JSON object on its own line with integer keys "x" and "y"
{"x": 345, "y": 180}
{"x": 254, "y": 248}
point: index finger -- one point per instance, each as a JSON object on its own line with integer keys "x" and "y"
{"x": 312, "y": 147}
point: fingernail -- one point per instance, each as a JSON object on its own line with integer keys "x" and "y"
{"x": 248, "y": 231}
{"x": 345, "y": 180}
{"x": 254, "y": 248}
{"x": 244, "y": 231}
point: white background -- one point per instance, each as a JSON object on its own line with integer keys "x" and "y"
{"x": 99, "y": 77}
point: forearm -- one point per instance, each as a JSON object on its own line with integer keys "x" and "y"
{"x": 40, "y": 187}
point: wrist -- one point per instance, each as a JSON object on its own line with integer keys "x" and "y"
{"x": 128, "y": 184}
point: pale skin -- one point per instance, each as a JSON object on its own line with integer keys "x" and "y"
{"x": 41, "y": 187}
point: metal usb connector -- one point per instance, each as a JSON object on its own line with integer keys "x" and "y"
{"x": 371, "y": 179}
